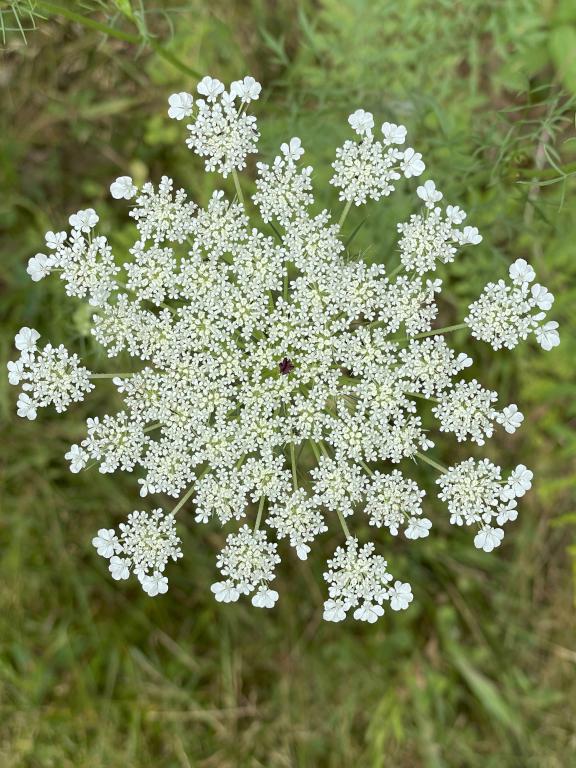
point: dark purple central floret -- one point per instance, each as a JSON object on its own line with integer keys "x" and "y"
{"x": 285, "y": 366}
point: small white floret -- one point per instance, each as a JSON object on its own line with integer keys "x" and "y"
{"x": 106, "y": 542}
{"x": 400, "y": 596}
{"x": 264, "y": 598}
{"x": 39, "y": 266}
{"x": 26, "y": 338}
{"x": 123, "y": 188}
{"x": 362, "y": 122}
{"x": 411, "y": 164}
{"x": 180, "y": 105}
{"x": 488, "y": 538}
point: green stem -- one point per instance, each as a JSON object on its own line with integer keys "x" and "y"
{"x": 79, "y": 18}
{"x": 238, "y": 187}
{"x": 395, "y": 271}
{"x": 343, "y": 524}
{"x": 367, "y": 468}
{"x": 109, "y": 375}
{"x": 344, "y": 213}
{"x": 423, "y": 397}
{"x": 315, "y": 450}
{"x": 436, "y": 331}
{"x": 259, "y": 515}
{"x": 293, "y": 463}
{"x": 432, "y": 463}
{"x": 183, "y": 500}
{"x": 127, "y": 37}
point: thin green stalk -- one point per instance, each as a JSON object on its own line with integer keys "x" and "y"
{"x": 344, "y": 213}
{"x": 423, "y": 397}
{"x": 432, "y": 463}
{"x": 315, "y": 450}
{"x": 259, "y": 515}
{"x": 183, "y": 500}
{"x": 108, "y": 375}
{"x": 189, "y": 492}
{"x": 293, "y": 463}
{"x": 436, "y": 331}
{"x": 343, "y": 524}
{"x": 367, "y": 468}
{"x": 127, "y": 37}
{"x": 238, "y": 187}
{"x": 79, "y": 18}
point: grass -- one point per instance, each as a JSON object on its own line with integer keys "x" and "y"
{"x": 480, "y": 671}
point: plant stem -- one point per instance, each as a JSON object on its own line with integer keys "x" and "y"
{"x": 183, "y": 500}
{"x": 423, "y": 397}
{"x": 315, "y": 450}
{"x": 432, "y": 463}
{"x": 108, "y": 375}
{"x": 395, "y": 271}
{"x": 85, "y": 21}
{"x": 344, "y": 213}
{"x": 294, "y": 470}
{"x": 238, "y": 187}
{"x": 259, "y": 515}
{"x": 343, "y": 524}
{"x": 447, "y": 329}
{"x": 367, "y": 468}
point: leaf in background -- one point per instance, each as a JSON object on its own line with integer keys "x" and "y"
{"x": 563, "y": 52}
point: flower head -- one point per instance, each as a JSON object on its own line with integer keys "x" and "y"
{"x": 273, "y": 378}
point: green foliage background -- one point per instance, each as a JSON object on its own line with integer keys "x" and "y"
{"x": 481, "y": 670}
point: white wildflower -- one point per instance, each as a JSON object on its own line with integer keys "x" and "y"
{"x": 26, "y": 338}
{"x": 246, "y": 90}
{"x": 84, "y": 221}
{"x": 180, "y": 105}
{"x": 362, "y": 122}
{"x": 123, "y": 188}
{"x": 412, "y": 164}
{"x": 429, "y": 193}
{"x": 268, "y": 374}
{"x": 510, "y": 418}
{"x": 393, "y": 134}
{"x": 39, "y": 266}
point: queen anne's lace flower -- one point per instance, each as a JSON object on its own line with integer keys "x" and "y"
{"x": 272, "y": 372}
{"x": 393, "y": 501}
{"x": 147, "y": 541}
{"x": 358, "y": 578}
{"x": 506, "y": 314}
{"x": 247, "y": 562}
{"x": 50, "y": 376}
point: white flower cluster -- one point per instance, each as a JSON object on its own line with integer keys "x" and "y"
{"x": 147, "y": 541}
{"x": 506, "y": 314}
{"x": 477, "y": 495}
{"x": 51, "y": 376}
{"x": 85, "y": 263}
{"x": 276, "y": 377}
{"x": 247, "y": 562}
{"x": 433, "y": 236}
{"x": 358, "y": 579}
{"x": 222, "y": 132}
{"x": 393, "y": 500}
{"x": 368, "y": 167}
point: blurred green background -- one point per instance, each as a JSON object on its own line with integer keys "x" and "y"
{"x": 481, "y": 670}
